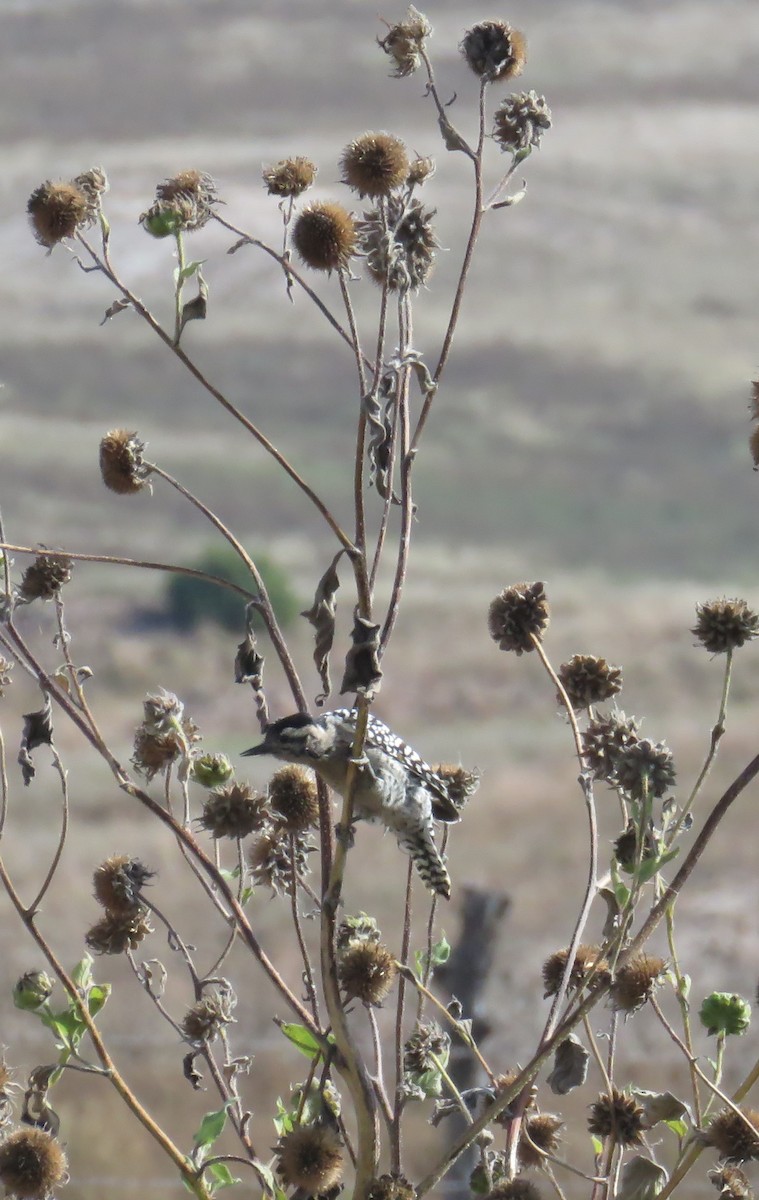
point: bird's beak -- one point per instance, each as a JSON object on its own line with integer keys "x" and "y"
{"x": 261, "y": 749}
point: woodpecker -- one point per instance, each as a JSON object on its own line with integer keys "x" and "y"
{"x": 394, "y": 785}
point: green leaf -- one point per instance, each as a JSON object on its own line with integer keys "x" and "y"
{"x": 301, "y": 1038}
{"x": 221, "y": 1176}
{"x": 211, "y": 1126}
{"x": 82, "y": 972}
{"x": 654, "y": 865}
{"x": 597, "y": 1144}
{"x": 97, "y": 997}
{"x": 267, "y": 1174}
{"x": 187, "y": 271}
{"x": 439, "y": 954}
{"x": 283, "y": 1121}
{"x": 679, "y": 1127}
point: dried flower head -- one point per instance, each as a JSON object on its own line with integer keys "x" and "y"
{"x": 117, "y": 932}
{"x": 636, "y": 981}
{"x": 271, "y": 862}
{"x": 460, "y": 783}
{"x": 517, "y": 615}
{"x": 44, "y": 578}
{"x": 731, "y": 1183}
{"x": 294, "y": 798}
{"x": 404, "y": 42}
{"x": 93, "y": 184}
{"x": 520, "y": 122}
{"x": 205, "y": 1020}
{"x": 399, "y": 248}
{"x": 310, "y": 1158}
{"x": 420, "y": 170}
{"x": 163, "y": 711}
{"x": 233, "y": 811}
{"x": 618, "y": 1117}
{"x": 185, "y": 202}
{"x": 121, "y": 462}
{"x": 57, "y": 211}
{"x": 366, "y": 970}
{"x": 501, "y": 1083}
{"x": 589, "y": 961}
{"x": 589, "y": 680}
{"x": 289, "y": 177}
{"x": 540, "y": 1135}
{"x": 515, "y": 1189}
{"x": 324, "y": 235}
{"x": 604, "y": 740}
{"x": 375, "y": 164}
{"x": 362, "y": 928}
{"x": 734, "y": 1137}
{"x": 645, "y": 768}
{"x": 154, "y": 752}
{"x": 32, "y": 1164}
{"x": 626, "y": 849}
{"x": 723, "y": 625}
{"x": 725, "y": 1014}
{"x": 117, "y": 883}
{"x": 211, "y": 770}
{"x": 427, "y": 1042}
{"x": 391, "y": 1186}
{"x": 5, "y": 674}
{"x": 493, "y": 50}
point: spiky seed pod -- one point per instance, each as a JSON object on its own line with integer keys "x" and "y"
{"x": 589, "y": 680}
{"x": 117, "y": 932}
{"x": 735, "y": 1138}
{"x": 636, "y": 982}
{"x": 294, "y": 798}
{"x": 404, "y": 42}
{"x": 540, "y": 1132}
{"x": 521, "y": 121}
{"x": 44, "y": 578}
{"x": 428, "y": 1039}
{"x": 753, "y": 443}
{"x": 391, "y": 1187}
{"x": 32, "y": 1164}
{"x": 725, "y": 1014}
{"x": 645, "y": 767}
{"x": 362, "y": 928}
{"x": 205, "y": 1020}
{"x": 517, "y": 615}
{"x": 420, "y": 170}
{"x": 588, "y": 961}
{"x": 234, "y": 811}
{"x": 57, "y": 211}
{"x": 193, "y": 193}
{"x": 310, "y": 1158}
{"x": 366, "y": 970}
{"x": 5, "y": 674}
{"x": 324, "y": 235}
{"x": 493, "y": 50}
{"x": 619, "y": 1117}
{"x": 723, "y": 625}
{"x": 515, "y": 1189}
{"x": 400, "y": 249}
{"x": 211, "y": 770}
{"x": 626, "y": 848}
{"x": 731, "y": 1183}
{"x": 375, "y": 164}
{"x": 117, "y": 883}
{"x": 461, "y": 784}
{"x": 121, "y": 462}
{"x": 154, "y": 752}
{"x": 604, "y": 740}
{"x": 270, "y": 860}
{"x": 289, "y": 177}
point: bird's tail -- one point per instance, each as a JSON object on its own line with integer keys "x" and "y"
{"x": 419, "y": 844}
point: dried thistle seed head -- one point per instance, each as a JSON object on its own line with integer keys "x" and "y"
{"x": 362, "y": 928}
{"x": 515, "y": 1189}
{"x": 211, "y": 770}
{"x": 735, "y": 1138}
{"x": 588, "y": 961}
{"x": 32, "y": 990}
{"x": 163, "y": 711}
{"x": 121, "y": 462}
{"x": 589, "y": 680}
{"x": 366, "y": 970}
{"x": 154, "y": 752}
{"x": 725, "y": 1014}
{"x": 32, "y": 1164}
{"x": 271, "y": 862}
{"x": 494, "y": 50}
{"x": 427, "y": 1040}
{"x": 645, "y": 768}
{"x": 731, "y": 1183}
{"x": 205, "y": 1020}
{"x": 166, "y": 219}
{"x": 520, "y": 122}
{"x": 375, "y": 164}
{"x": 234, "y": 811}
{"x": 404, "y": 42}
{"x": 605, "y": 739}
{"x": 626, "y": 848}
{"x": 44, "y": 578}
{"x": 420, "y": 170}
{"x": 117, "y": 932}
{"x": 5, "y": 674}
{"x": 723, "y": 625}
{"x": 324, "y": 235}
{"x": 517, "y": 616}
{"x": 399, "y": 249}
{"x": 391, "y": 1186}
{"x": 193, "y": 193}
{"x": 294, "y": 798}
{"x": 117, "y": 883}
{"x": 57, "y": 211}
{"x": 165, "y": 735}
{"x": 289, "y": 177}
{"x": 540, "y": 1133}
{"x": 618, "y": 1117}
{"x": 461, "y": 784}
{"x": 636, "y": 982}
{"x": 310, "y": 1158}
{"x": 93, "y": 183}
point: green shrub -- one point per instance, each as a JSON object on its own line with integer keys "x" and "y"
{"x": 190, "y": 601}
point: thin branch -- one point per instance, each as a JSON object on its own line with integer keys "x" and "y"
{"x": 396, "y": 1148}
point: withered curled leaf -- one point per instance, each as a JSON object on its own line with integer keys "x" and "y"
{"x": 321, "y": 615}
